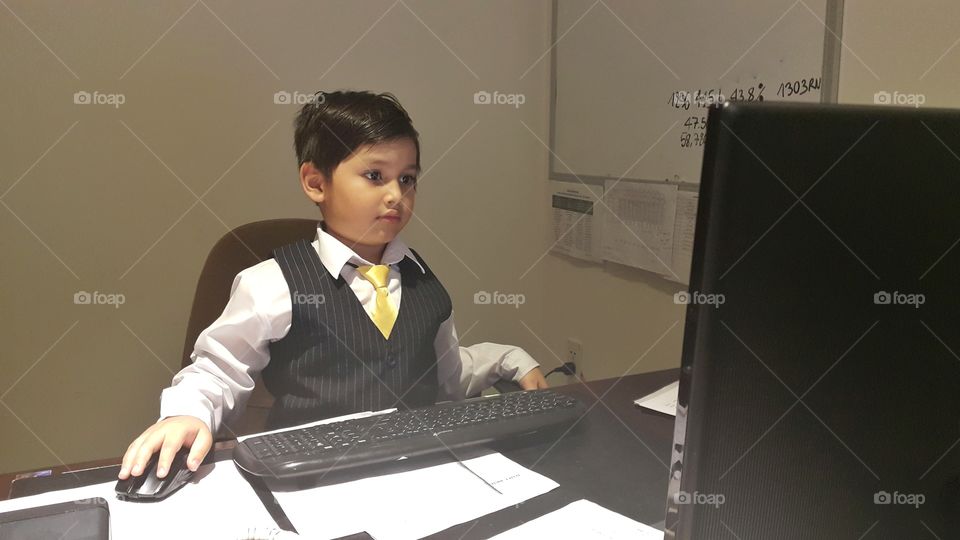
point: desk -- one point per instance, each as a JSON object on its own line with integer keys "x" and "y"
{"x": 617, "y": 456}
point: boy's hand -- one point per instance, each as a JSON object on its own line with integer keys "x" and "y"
{"x": 167, "y": 436}
{"x": 533, "y": 380}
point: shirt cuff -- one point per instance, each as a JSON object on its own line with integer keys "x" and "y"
{"x": 173, "y": 404}
{"x": 516, "y": 364}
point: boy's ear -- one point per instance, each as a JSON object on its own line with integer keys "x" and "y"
{"x": 312, "y": 181}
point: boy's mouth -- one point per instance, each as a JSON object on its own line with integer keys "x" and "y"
{"x": 390, "y": 216}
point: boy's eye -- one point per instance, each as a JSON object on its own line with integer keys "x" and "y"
{"x": 405, "y": 180}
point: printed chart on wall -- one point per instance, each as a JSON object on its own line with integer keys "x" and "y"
{"x": 648, "y": 226}
{"x": 633, "y": 84}
{"x": 639, "y": 223}
{"x": 577, "y": 231}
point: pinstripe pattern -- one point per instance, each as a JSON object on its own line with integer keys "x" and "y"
{"x": 334, "y": 360}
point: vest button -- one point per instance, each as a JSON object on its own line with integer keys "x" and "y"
{"x": 391, "y": 360}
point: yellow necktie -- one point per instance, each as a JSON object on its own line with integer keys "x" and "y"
{"x": 384, "y": 314}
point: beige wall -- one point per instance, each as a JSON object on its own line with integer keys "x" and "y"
{"x": 98, "y": 198}
{"x": 626, "y": 318}
{"x": 905, "y": 47}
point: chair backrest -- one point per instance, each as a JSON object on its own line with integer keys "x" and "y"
{"x": 240, "y": 248}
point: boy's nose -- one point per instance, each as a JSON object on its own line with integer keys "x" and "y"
{"x": 394, "y": 193}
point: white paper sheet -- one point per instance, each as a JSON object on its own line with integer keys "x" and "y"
{"x": 412, "y": 504}
{"x": 638, "y": 225}
{"x": 663, "y": 400}
{"x": 582, "y": 520}
{"x": 216, "y": 503}
{"x": 683, "y": 229}
{"x": 577, "y": 228}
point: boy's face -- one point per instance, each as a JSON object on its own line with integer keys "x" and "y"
{"x": 370, "y": 197}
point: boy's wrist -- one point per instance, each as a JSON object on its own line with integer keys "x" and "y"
{"x": 171, "y": 405}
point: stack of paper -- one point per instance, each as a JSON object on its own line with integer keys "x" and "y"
{"x": 663, "y": 400}
{"x": 413, "y": 504}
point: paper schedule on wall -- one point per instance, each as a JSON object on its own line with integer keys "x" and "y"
{"x": 638, "y": 225}
{"x": 577, "y": 230}
{"x": 683, "y": 228}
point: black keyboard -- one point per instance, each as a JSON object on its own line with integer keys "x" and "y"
{"x": 380, "y": 439}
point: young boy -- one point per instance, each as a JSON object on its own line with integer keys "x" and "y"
{"x": 324, "y": 321}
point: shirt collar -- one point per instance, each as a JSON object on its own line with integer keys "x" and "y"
{"x": 334, "y": 254}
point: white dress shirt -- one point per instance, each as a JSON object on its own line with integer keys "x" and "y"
{"x": 233, "y": 350}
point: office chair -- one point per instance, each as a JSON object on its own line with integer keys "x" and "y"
{"x": 240, "y": 248}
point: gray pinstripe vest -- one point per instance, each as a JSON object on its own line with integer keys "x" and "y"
{"x": 334, "y": 360}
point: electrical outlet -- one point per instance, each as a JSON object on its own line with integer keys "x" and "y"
{"x": 574, "y": 351}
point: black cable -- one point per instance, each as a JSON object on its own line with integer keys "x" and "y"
{"x": 568, "y": 368}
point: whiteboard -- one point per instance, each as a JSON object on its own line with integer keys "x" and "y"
{"x": 632, "y": 79}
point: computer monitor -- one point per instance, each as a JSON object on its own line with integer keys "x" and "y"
{"x": 820, "y": 386}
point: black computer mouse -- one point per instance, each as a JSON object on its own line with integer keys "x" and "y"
{"x": 147, "y": 487}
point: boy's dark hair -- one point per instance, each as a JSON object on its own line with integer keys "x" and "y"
{"x": 335, "y": 124}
